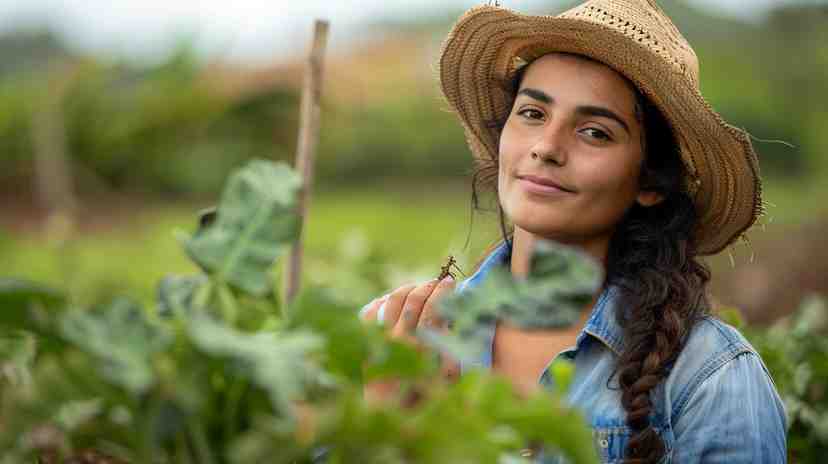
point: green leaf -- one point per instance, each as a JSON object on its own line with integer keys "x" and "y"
{"x": 348, "y": 342}
{"x": 27, "y": 305}
{"x": 561, "y": 282}
{"x": 74, "y": 413}
{"x": 466, "y": 349}
{"x": 396, "y": 359}
{"x": 255, "y": 219}
{"x": 563, "y": 372}
{"x": 280, "y": 364}
{"x": 176, "y": 294}
{"x": 122, "y": 341}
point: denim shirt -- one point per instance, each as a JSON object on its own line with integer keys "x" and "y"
{"x": 717, "y": 405}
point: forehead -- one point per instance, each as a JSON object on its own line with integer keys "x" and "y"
{"x": 566, "y": 75}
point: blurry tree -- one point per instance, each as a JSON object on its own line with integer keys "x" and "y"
{"x": 26, "y": 51}
{"x": 174, "y": 127}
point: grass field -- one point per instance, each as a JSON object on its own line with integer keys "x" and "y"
{"x": 405, "y": 234}
{"x": 359, "y": 240}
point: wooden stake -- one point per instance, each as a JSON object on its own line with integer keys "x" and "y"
{"x": 53, "y": 173}
{"x": 306, "y": 149}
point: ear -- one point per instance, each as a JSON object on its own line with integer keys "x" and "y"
{"x": 648, "y": 198}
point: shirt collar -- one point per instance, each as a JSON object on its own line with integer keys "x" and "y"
{"x": 601, "y": 325}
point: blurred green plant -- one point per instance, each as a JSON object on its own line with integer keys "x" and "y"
{"x": 221, "y": 372}
{"x": 795, "y": 350}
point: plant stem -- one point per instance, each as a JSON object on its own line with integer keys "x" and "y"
{"x": 229, "y": 308}
{"x": 201, "y": 445}
{"x": 231, "y": 413}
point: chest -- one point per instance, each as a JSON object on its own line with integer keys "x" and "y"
{"x": 522, "y": 355}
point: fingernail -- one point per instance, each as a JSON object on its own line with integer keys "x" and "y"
{"x": 381, "y": 315}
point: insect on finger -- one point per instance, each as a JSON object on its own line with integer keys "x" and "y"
{"x": 430, "y": 316}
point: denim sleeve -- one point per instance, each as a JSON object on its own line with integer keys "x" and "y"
{"x": 735, "y": 416}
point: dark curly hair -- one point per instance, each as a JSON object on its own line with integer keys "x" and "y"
{"x": 652, "y": 259}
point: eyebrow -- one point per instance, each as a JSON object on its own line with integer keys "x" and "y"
{"x": 585, "y": 110}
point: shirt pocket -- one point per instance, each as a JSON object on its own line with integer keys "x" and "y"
{"x": 610, "y": 443}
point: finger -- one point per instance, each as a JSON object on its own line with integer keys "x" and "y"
{"x": 430, "y": 316}
{"x": 394, "y": 304}
{"x": 412, "y": 307}
{"x": 369, "y": 311}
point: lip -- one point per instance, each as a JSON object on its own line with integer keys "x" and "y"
{"x": 543, "y": 185}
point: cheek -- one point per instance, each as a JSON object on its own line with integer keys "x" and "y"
{"x": 614, "y": 188}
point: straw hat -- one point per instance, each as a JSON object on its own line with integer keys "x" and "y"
{"x": 488, "y": 44}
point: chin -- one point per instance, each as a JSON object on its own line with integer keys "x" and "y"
{"x": 541, "y": 223}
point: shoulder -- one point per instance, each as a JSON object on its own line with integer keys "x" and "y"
{"x": 721, "y": 389}
{"x": 714, "y": 352}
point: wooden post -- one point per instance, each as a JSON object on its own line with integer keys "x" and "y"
{"x": 53, "y": 173}
{"x": 306, "y": 149}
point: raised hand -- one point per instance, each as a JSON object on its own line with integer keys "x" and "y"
{"x": 401, "y": 312}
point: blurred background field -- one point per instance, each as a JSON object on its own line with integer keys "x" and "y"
{"x": 145, "y": 141}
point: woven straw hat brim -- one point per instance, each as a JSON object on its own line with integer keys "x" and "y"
{"x": 478, "y": 61}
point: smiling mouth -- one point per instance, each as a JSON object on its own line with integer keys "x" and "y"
{"x": 542, "y": 185}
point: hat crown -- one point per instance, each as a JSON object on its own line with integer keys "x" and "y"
{"x": 642, "y": 21}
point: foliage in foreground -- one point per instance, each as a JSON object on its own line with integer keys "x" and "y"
{"x": 221, "y": 371}
{"x": 795, "y": 350}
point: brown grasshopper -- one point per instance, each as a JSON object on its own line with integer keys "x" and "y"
{"x": 445, "y": 270}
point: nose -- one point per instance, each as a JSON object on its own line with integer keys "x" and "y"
{"x": 552, "y": 145}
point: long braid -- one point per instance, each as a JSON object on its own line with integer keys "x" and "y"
{"x": 652, "y": 259}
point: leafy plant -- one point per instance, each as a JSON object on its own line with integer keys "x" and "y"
{"x": 795, "y": 351}
{"x": 221, "y": 371}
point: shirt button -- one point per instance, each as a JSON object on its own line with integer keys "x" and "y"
{"x": 604, "y": 443}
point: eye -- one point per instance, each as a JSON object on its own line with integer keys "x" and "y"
{"x": 530, "y": 113}
{"x": 597, "y": 133}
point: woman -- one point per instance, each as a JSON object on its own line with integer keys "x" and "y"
{"x": 590, "y": 128}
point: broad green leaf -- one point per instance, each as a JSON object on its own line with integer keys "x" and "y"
{"x": 467, "y": 349}
{"x": 122, "y": 341}
{"x": 27, "y": 305}
{"x": 348, "y": 342}
{"x": 254, "y": 221}
{"x": 562, "y": 281}
{"x": 176, "y": 294}
{"x": 396, "y": 359}
{"x": 280, "y": 364}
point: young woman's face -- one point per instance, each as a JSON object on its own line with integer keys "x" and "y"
{"x": 572, "y": 124}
